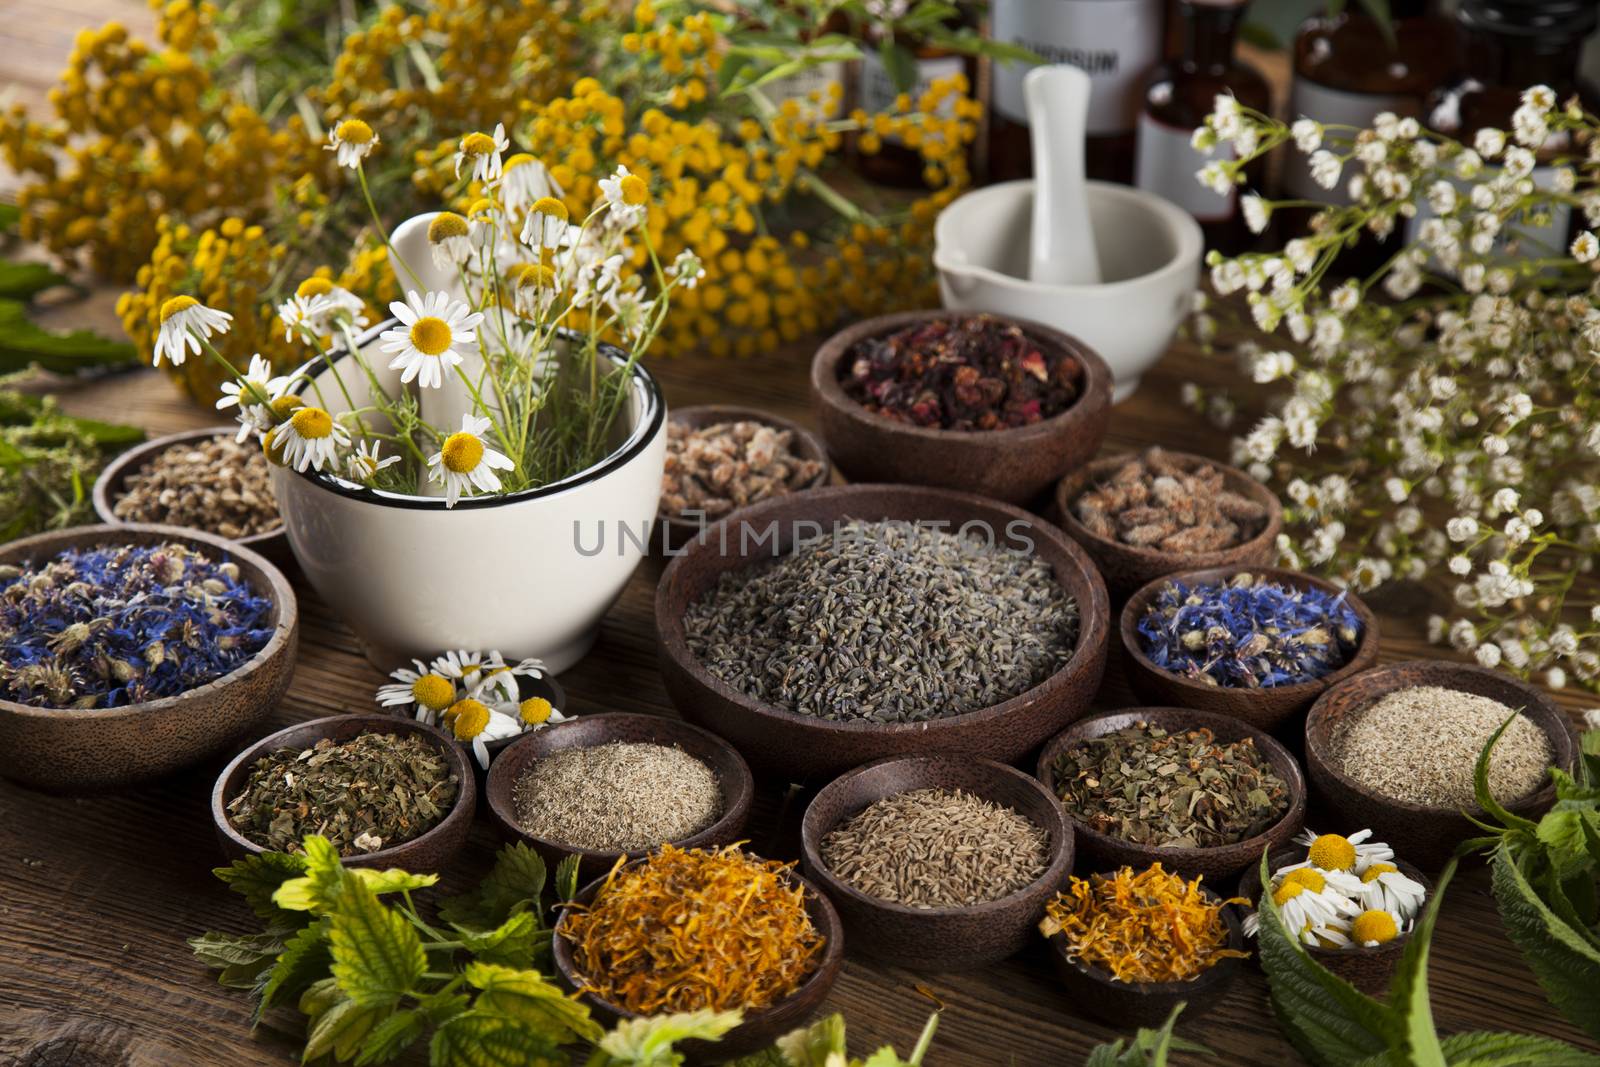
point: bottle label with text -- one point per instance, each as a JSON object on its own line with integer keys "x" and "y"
{"x": 1115, "y": 41}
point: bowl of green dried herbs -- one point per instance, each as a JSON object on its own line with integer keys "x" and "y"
{"x": 385, "y": 791}
{"x": 127, "y": 652}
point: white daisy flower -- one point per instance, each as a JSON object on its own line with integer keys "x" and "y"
{"x": 433, "y": 327}
{"x": 450, "y": 241}
{"x": 343, "y": 306}
{"x": 364, "y": 464}
{"x": 310, "y": 438}
{"x": 1385, "y": 888}
{"x": 1331, "y": 852}
{"x": 254, "y": 414}
{"x": 306, "y": 316}
{"x": 524, "y": 182}
{"x": 626, "y": 193}
{"x": 182, "y": 318}
{"x": 429, "y": 691}
{"x": 1375, "y": 927}
{"x": 500, "y": 678}
{"x": 536, "y": 713}
{"x": 468, "y": 719}
{"x": 484, "y": 153}
{"x": 351, "y": 141}
{"x": 1304, "y": 900}
{"x": 468, "y": 668}
{"x": 547, "y": 224}
{"x": 464, "y": 463}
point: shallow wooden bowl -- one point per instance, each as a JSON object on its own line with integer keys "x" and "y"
{"x": 937, "y": 939}
{"x": 733, "y": 775}
{"x": 1424, "y": 835}
{"x": 1129, "y": 567}
{"x": 69, "y": 751}
{"x": 429, "y": 851}
{"x": 1218, "y": 865}
{"x": 760, "y": 1028}
{"x": 795, "y": 747}
{"x": 1129, "y": 1004}
{"x": 1269, "y": 709}
{"x": 677, "y": 530}
{"x": 1014, "y": 465}
{"x": 1368, "y": 969}
{"x": 111, "y": 486}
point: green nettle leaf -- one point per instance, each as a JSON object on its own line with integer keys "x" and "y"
{"x": 227, "y": 950}
{"x": 325, "y": 879}
{"x": 1408, "y": 990}
{"x": 513, "y": 886}
{"x": 391, "y": 1037}
{"x": 529, "y": 996}
{"x": 648, "y": 1042}
{"x": 812, "y": 1045}
{"x": 475, "y": 1040}
{"x": 1566, "y": 961}
{"x": 393, "y": 880}
{"x": 377, "y": 956}
{"x": 341, "y": 1030}
{"x": 513, "y": 943}
{"x": 23, "y": 344}
{"x": 1149, "y": 1048}
{"x": 257, "y": 877}
{"x": 1482, "y": 1049}
{"x": 567, "y": 878}
{"x": 305, "y": 958}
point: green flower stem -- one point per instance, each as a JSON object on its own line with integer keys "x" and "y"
{"x": 377, "y": 220}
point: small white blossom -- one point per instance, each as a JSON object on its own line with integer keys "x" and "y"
{"x": 1462, "y": 528}
{"x": 1325, "y": 168}
{"x": 1460, "y": 566}
{"x": 1442, "y": 197}
{"x": 1490, "y": 142}
{"x": 1307, "y": 135}
{"x": 1256, "y": 212}
{"x": 1585, "y": 247}
{"x": 1488, "y": 655}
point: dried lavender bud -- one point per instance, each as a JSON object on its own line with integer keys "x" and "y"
{"x": 715, "y": 469}
{"x": 217, "y": 484}
{"x": 1152, "y": 502}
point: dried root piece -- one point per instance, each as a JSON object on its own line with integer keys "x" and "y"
{"x": 1152, "y": 501}
{"x": 727, "y": 465}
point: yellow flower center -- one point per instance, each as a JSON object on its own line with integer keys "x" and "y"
{"x": 1371, "y": 874}
{"x": 635, "y": 190}
{"x": 477, "y": 144}
{"x": 314, "y": 287}
{"x": 285, "y": 405}
{"x": 312, "y": 423}
{"x": 481, "y": 209}
{"x": 535, "y": 276}
{"x": 518, "y": 160}
{"x": 1287, "y": 892}
{"x": 1374, "y": 926}
{"x": 274, "y": 455}
{"x": 549, "y": 205}
{"x": 467, "y": 718}
{"x": 354, "y": 131}
{"x": 176, "y": 305}
{"x": 446, "y": 224}
{"x": 1309, "y": 877}
{"x": 1333, "y": 853}
{"x": 431, "y": 335}
{"x": 536, "y": 710}
{"x": 461, "y": 452}
{"x": 433, "y": 691}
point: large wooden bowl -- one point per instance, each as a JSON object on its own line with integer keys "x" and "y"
{"x": 1423, "y": 834}
{"x": 1269, "y": 708}
{"x": 1219, "y": 865}
{"x": 1015, "y": 465}
{"x": 796, "y": 747}
{"x": 733, "y": 775}
{"x": 937, "y": 939}
{"x": 1129, "y": 567}
{"x": 431, "y": 850}
{"x": 107, "y": 748}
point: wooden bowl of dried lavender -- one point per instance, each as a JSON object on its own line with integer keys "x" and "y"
{"x": 824, "y": 629}
{"x": 1144, "y": 516}
{"x": 386, "y": 791}
{"x": 1396, "y": 748}
{"x": 981, "y": 403}
{"x": 127, "y": 652}
{"x": 1201, "y": 794}
{"x": 1258, "y": 643}
{"x": 604, "y": 786}
{"x": 937, "y": 863}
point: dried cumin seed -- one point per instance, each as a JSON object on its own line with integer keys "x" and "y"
{"x": 618, "y": 796}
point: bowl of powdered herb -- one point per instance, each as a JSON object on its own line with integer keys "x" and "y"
{"x": 127, "y": 652}
{"x": 937, "y": 863}
{"x": 824, "y": 629}
{"x": 385, "y": 791}
{"x": 1398, "y": 747}
{"x": 602, "y": 787}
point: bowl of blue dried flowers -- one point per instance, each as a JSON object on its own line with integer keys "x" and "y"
{"x": 127, "y": 652}
{"x": 1259, "y": 644}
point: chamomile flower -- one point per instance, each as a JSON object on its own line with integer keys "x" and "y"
{"x": 483, "y": 151}
{"x": 500, "y": 678}
{"x": 255, "y": 414}
{"x": 433, "y": 328}
{"x": 524, "y": 182}
{"x": 344, "y": 307}
{"x": 1375, "y": 927}
{"x": 687, "y": 269}
{"x": 184, "y": 323}
{"x": 305, "y": 317}
{"x": 364, "y": 463}
{"x": 310, "y": 438}
{"x": 1304, "y": 904}
{"x": 351, "y": 141}
{"x": 626, "y": 193}
{"x": 468, "y": 668}
{"x": 449, "y": 240}
{"x": 429, "y": 691}
{"x": 468, "y": 719}
{"x": 547, "y": 224}
{"x": 464, "y": 463}
{"x": 1331, "y": 852}
{"x": 534, "y": 289}
{"x": 537, "y": 712}
{"x": 1385, "y": 888}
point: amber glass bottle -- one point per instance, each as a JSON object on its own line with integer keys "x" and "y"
{"x": 1115, "y": 41}
{"x": 1178, "y": 98}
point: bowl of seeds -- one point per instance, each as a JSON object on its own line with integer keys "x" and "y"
{"x": 1201, "y": 794}
{"x": 721, "y": 458}
{"x": 127, "y": 652}
{"x": 997, "y": 406}
{"x": 201, "y": 479}
{"x": 1397, "y": 747}
{"x": 385, "y": 791}
{"x": 685, "y": 930}
{"x": 937, "y": 863}
{"x": 1257, "y": 643}
{"x": 824, "y": 629}
{"x": 605, "y": 786}
{"x": 1147, "y": 515}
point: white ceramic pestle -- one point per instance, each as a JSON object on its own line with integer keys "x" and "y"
{"x": 1063, "y": 249}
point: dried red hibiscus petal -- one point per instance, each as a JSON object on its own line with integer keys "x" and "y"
{"x": 971, "y": 373}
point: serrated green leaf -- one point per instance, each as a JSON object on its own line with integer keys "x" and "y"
{"x": 393, "y": 880}
{"x": 810, "y": 1046}
{"x": 19, "y": 281}
{"x": 474, "y": 1040}
{"x": 652, "y": 1041}
{"x": 529, "y": 996}
{"x": 325, "y": 879}
{"x": 340, "y": 1030}
{"x": 1149, "y": 1048}
{"x": 257, "y": 877}
{"x": 567, "y": 878}
{"x": 391, "y": 1037}
{"x": 1482, "y": 1049}
{"x": 227, "y": 950}
{"x": 377, "y": 956}
{"x": 512, "y": 886}
{"x": 1565, "y": 961}
{"x": 514, "y": 943}
{"x": 304, "y": 960}
{"x": 22, "y": 344}
{"x": 1408, "y": 994}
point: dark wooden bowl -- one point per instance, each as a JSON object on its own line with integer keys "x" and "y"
{"x": 676, "y": 530}
{"x": 1368, "y": 969}
{"x": 590, "y": 730}
{"x": 1130, "y": 1004}
{"x": 759, "y": 1028}
{"x": 1218, "y": 865}
{"x": 794, "y": 746}
{"x": 1267, "y": 708}
{"x": 1424, "y": 835}
{"x": 1014, "y": 465}
{"x": 1128, "y": 567}
{"x": 429, "y": 851}
{"x": 937, "y": 939}
{"x": 111, "y": 486}
{"x": 69, "y": 751}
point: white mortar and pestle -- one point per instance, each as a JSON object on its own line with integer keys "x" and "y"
{"x": 1111, "y": 265}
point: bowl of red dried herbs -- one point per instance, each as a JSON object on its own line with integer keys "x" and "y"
{"x": 1143, "y": 516}
{"x": 977, "y": 402}
{"x": 127, "y": 652}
